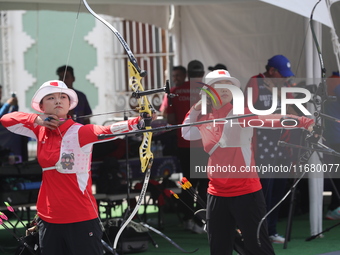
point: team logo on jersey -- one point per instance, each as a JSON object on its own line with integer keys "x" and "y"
{"x": 67, "y": 161}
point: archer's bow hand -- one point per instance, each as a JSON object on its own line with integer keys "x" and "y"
{"x": 315, "y": 134}
{"x": 145, "y": 119}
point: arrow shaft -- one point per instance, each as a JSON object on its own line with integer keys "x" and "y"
{"x": 157, "y": 129}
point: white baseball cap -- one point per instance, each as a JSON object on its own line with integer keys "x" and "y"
{"x": 50, "y": 87}
{"x": 220, "y": 75}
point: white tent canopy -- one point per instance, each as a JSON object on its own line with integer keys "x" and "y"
{"x": 249, "y": 31}
{"x": 157, "y": 10}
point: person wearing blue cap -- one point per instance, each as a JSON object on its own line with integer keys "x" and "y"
{"x": 267, "y": 152}
{"x": 281, "y": 64}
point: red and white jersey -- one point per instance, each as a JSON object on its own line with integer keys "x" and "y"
{"x": 229, "y": 144}
{"x": 64, "y": 197}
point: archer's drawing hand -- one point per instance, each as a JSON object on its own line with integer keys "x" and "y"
{"x": 198, "y": 106}
{"x": 50, "y": 121}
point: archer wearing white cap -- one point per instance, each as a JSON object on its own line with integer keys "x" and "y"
{"x": 235, "y": 198}
{"x": 68, "y": 214}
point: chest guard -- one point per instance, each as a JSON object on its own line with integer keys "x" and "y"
{"x": 72, "y": 159}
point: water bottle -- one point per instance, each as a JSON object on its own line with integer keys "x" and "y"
{"x": 159, "y": 149}
{"x": 153, "y": 147}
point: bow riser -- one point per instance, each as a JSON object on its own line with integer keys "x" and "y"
{"x": 145, "y": 109}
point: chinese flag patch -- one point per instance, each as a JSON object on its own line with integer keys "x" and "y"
{"x": 54, "y": 83}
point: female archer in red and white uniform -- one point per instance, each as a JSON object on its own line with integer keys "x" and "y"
{"x": 235, "y": 198}
{"x": 69, "y": 222}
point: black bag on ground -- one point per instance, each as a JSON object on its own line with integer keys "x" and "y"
{"x": 134, "y": 238}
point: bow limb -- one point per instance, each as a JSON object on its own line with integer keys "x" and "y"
{"x": 167, "y": 238}
{"x": 135, "y": 210}
{"x": 120, "y": 38}
{"x": 322, "y": 89}
{"x": 311, "y": 22}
